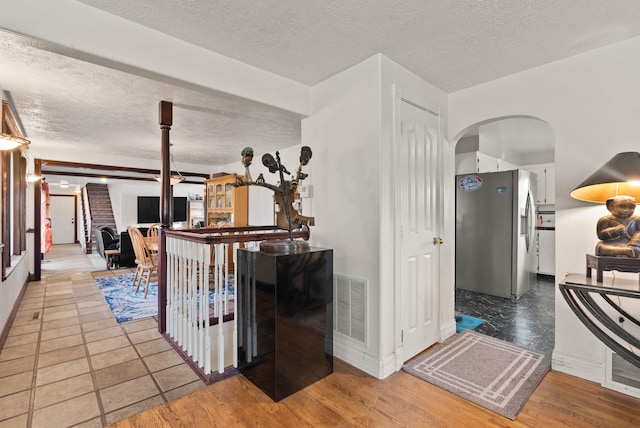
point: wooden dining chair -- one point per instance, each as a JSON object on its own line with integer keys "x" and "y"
{"x": 152, "y": 236}
{"x": 131, "y": 238}
{"x": 146, "y": 261}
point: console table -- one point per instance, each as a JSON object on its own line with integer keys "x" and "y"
{"x": 607, "y": 263}
{"x": 284, "y": 310}
{"x": 604, "y": 308}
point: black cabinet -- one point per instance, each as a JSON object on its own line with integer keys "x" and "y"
{"x": 285, "y": 319}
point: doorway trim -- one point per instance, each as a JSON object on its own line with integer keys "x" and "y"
{"x": 399, "y": 96}
{"x": 75, "y": 212}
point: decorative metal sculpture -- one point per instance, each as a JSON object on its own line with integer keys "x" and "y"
{"x": 247, "y": 158}
{"x": 288, "y": 216}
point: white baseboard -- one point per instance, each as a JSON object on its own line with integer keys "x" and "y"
{"x": 590, "y": 370}
{"x": 621, "y": 388}
{"x": 378, "y": 368}
{"x": 358, "y": 358}
{"x": 447, "y": 330}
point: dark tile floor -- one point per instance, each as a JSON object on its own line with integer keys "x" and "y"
{"x": 527, "y": 322}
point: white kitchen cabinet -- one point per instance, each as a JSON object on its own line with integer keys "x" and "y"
{"x": 550, "y": 185}
{"x": 546, "y": 184}
{"x": 547, "y": 252}
{"x": 503, "y": 165}
{"x": 465, "y": 163}
{"x": 487, "y": 163}
{"x": 474, "y": 162}
{"x": 477, "y": 162}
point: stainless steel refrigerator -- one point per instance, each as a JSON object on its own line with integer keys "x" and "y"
{"x": 495, "y": 233}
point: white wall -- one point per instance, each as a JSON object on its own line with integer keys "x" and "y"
{"x": 11, "y": 288}
{"x": 124, "y": 199}
{"x": 351, "y": 134}
{"x": 591, "y": 101}
{"x": 344, "y": 134}
{"x": 497, "y": 149}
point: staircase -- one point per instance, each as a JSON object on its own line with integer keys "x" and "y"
{"x": 100, "y": 211}
{"x": 86, "y": 233}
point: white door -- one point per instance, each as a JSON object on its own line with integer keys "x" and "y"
{"x": 63, "y": 218}
{"x": 418, "y": 244}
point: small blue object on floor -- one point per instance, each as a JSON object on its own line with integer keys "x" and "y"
{"x": 466, "y": 322}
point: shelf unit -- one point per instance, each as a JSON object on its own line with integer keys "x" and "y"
{"x": 226, "y": 203}
{"x": 196, "y": 212}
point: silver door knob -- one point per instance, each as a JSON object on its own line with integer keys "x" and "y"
{"x": 437, "y": 240}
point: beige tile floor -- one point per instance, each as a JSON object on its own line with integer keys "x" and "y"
{"x": 67, "y": 362}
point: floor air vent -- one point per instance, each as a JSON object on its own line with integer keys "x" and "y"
{"x": 351, "y": 307}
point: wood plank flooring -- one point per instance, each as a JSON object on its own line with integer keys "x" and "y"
{"x": 350, "y": 397}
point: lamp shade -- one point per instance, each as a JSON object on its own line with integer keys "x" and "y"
{"x": 619, "y": 176}
{"x": 174, "y": 179}
{"x": 10, "y": 142}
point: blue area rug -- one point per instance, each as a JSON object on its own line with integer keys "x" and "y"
{"x": 126, "y": 305}
{"x": 467, "y": 323}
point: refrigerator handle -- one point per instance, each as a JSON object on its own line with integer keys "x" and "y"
{"x": 528, "y": 219}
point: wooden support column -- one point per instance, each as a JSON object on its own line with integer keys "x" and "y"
{"x": 166, "y": 120}
{"x": 37, "y": 222}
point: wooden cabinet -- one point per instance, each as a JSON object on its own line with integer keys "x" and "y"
{"x": 226, "y": 203}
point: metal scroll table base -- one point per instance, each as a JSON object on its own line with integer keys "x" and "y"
{"x": 579, "y": 293}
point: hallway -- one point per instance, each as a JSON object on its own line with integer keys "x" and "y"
{"x": 67, "y": 362}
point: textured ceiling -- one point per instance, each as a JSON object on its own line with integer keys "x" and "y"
{"x": 77, "y": 105}
{"x": 452, "y": 44}
{"x": 70, "y": 104}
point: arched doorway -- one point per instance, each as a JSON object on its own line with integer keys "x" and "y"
{"x": 490, "y": 238}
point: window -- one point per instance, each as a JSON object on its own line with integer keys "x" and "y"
{"x": 13, "y": 177}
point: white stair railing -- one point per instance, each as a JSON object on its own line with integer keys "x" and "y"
{"x": 200, "y": 288}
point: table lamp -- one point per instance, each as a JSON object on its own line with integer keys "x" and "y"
{"x": 616, "y": 183}
{"x": 599, "y": 308}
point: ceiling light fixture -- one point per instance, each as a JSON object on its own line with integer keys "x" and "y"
{"x": 175, "y": 178}
{"x": 10, "y": 142}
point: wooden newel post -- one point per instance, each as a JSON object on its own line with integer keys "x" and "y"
{"x": 166, "y": 120}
